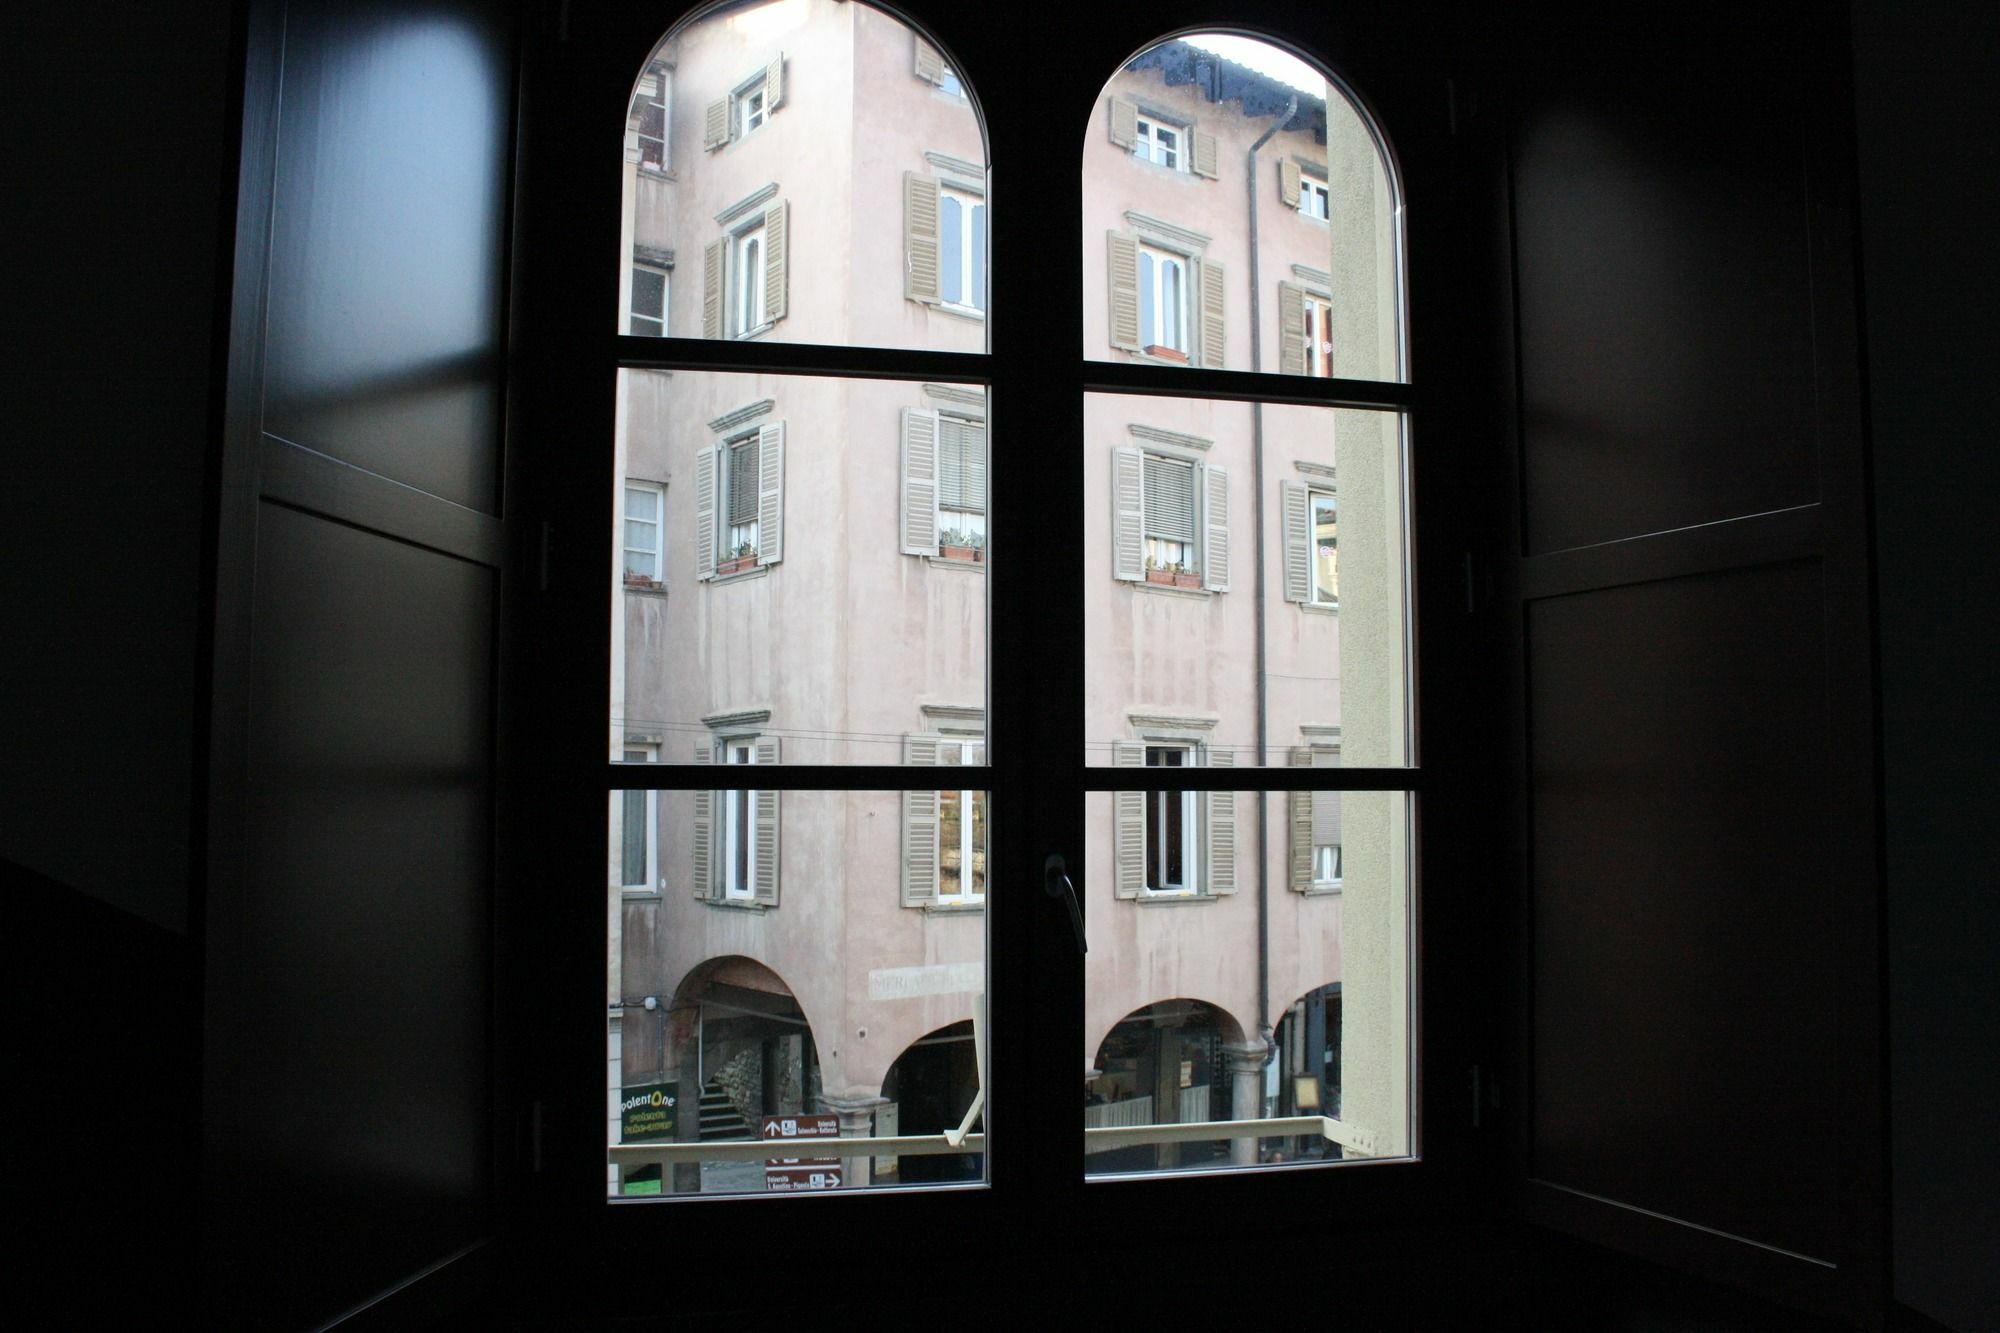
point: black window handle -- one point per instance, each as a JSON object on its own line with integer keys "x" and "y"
{"x": 1055, "y": 879}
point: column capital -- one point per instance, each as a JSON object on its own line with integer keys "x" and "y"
{"x": 1243, "y": 1057}
{"x": 853, "y": 1104}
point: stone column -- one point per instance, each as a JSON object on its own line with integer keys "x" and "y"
{"x": 1246, "y": 1081}
{"x": 857, "y": 1121}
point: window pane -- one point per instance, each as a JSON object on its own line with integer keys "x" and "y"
{"x": 757, "y": 126}
{"x": 1186, "y": 189}
{"x": 723, "y": 1027}
{"x": 823, "y": 544}
{"x": 1176, "y": 1034}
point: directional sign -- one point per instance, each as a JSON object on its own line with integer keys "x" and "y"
{"x": 785, "y": 1174}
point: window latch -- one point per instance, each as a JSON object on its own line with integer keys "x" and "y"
{"x": 1055, "y": 879}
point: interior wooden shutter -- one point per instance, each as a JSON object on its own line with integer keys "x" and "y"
{"x": 1288, "y": 182}
{"x": 1291, "y": 329}
{"x": 1128, "y": 853}
{"x": 1215, "y": 529}
{"x": 1124, "y": 124}
{"x": 1221, "y": 829}
{"x": 776, "y": 228}
{"x": 1300, "y": 819}
{"x": 920, "y": 459}
{"x": 766, "y": 829}
{"x": 774, "y": 84}
{"x": 1128, "y": 515}
{"x": 920, "y": 828}
{"x": 707, "y": 470}
{"x": 1203, "y": 158}
{"x": 711, "y": 288}
{"x": 1123, "y": 268}
{"x": 715, "y": 125}
{"x": 920, "y": 237}
{"x": 1213, "y": 346}
{"x": 930, "y": 65}
{"x": 1296, "y": 522}
{"x": 771, "y": 495}
{"x": 702, "y": 873}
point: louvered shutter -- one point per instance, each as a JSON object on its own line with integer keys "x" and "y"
{"x": 1300, "y": 818}
{"x": 1288, "y": 182}
{"x": 1326, "y": 805}
{"x": 774, "y": 84}
{"x": 930, "y": 65}
{"x": 920, "y": 828}
{"x": 1296, "y": 522}
{"x": 1124, "y": 124}
{"x": 1123, "y": 268}
{"x": 766, "y": 829}
{"x": 1203, "y": 158}
{"x": 961, "y": 469}
{"x": 1291, "y": 329}
{"x": 920, "y": 486}
{"x": 1128, "y": 809}
{"x": 1215, "y": 529}
{"x": 920, "y": 237}
{"x": 1221, "y": 830}
{"x": 1170, "y": 499}
{"x": 771, "y": 495}
{"x": 715, "y": 125}
{"x": 1213, "y": 346}
{"x": 776, "y": 246}
{"x": 707, "y": 470}
{"x": 711, "y": 289}
{"x": 702, "y": 844}
{"x": 1128, "y": 515}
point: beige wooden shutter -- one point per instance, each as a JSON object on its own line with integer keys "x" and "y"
{"x": 920, "y": 237}
{"x": 1300, "y": 818}
{"x": 1203, "y": 158}
{"x": 776, "y": 220}
{"x": 1123, "y": 268}
{"x": 771, "y": 495}
{"x": 920, "y": 487}
{"x": 766, "y": 829}
{"x": 1221, "y": 829}
{"x": 1124, "y": 124}
{"x": 920, "y": 827}
{"x": 715, "y": 125}
{"x": 930, "y": 65}
{"x": 1215, "y": 529}
{"x": 702, "y": 844}
{"x": 1288, "y": 182}
{"x": 707, "y": 469}
{"x": 1212, "y": 330}
{"x": 1291, "y": 329}
{"x": 774, "y": 84}
{"x": 1128, "y": 515}
{"x": 1296, "y": 521}
{"x": 1128, "y": 809}
{"x": 711, "y": 288}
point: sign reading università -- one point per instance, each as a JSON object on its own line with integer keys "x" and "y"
{"x": 784, "y": 1174}
{"x": 649, "y": 1112}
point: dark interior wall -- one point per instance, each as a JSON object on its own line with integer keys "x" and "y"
{"x": 1927, "y": 111}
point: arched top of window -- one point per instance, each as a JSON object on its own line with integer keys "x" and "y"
{"x": 805, "y": 171}
{"x": 1240, "y": 211}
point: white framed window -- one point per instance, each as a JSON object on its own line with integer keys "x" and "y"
{"x": 1172, "y": 533}
{"x": 648, "y": 317}
{"x": 652, "y": 102}
{"x": 639, "y": 830}
{"x": 1325, "y": 548}
{"x": 739, "y": 519}
{"x": 1172, "y": 829}
{"x": 1316, "y": 860}
{"x": 961, "y": 851}
{"x": 1319, "y": 336}
{"x": 1161, "y": 142}
{"x": 949, "y": 82}
{"x": 751, "y": 109}
{"x": 1169, "y": 520}
{"x": 1163, "y": 301}
{"x": 644, "y": 509}
{"x": 742, "y": 464}
{"x": 1314, "y": 202}
{"x": 747, "y": 257}
{"x": 747, "y": 107}
{"x": 962, "y": 248}
{"x": 962, "y": 484}
{"x": 739, "y": 827}
{"x": 1326, "y": 865}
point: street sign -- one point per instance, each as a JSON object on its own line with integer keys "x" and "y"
{"x": 786, "y": 1174}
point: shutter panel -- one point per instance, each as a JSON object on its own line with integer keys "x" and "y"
{"x": 1296, "y": 519}
{"x": 1128, "y": 517}
{"x": 775, "y": 267}
{"x": 1300, "y": 817}
{"x": 702, "y": 875}
{"x": 1170, "y": 499}
{"x": 774, "y": 84}
{"x": 1215, "y": 534}
{"x": 1288, "y": 182}
{"x": 707, "y": 470}
{"x": 711, "y": 289}
{"x": 1128, "y": 808}
{"x": 920, "y": 237}
{"x": 1213, "y": 348}
{"x": 715, "y": 125}
{"x": 920, "y": 487}
{"x": 771, "y": 497}
{"x": 1203, "y": 160}
{"x": 1123, "y": 268}
{"x": 1221, "y": 830}
{"x": 1326, "y": 804}
{"x": 975, "y": 465}
{"x": 765, "y": 828}
{"x": 1291, "y": 329}
{"x": 920, "y": 828}
{"x": 930, "y": 65}
{"x": 1124, "y": 124}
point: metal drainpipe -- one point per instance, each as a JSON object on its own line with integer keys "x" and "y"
{"x": 1263, "y": 677}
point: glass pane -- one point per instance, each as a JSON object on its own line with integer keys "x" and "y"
{"x": 1197, "y": 185}
{"x": 750, "y": 117}
{"x": 1172, "y": 554}
{"x": 1193, "y": 1016}
{"x": 840, "y": 995}
{"x": 817, "y": 592}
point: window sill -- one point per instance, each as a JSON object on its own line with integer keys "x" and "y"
{"x": 964, "y": 312}
{"x": 631, "y": 895}
{"x": 1181, "y": 363}
{"x": 741, "y": 575}
{"x": 1321, "y": 890}
{"x": 757, "y": 332}
{"x": 1150, "y": 899}
{"x": 946, "y": 562}
{"x": 954, "y": 909}
{"x": 739, "y": 904}
{"x": 1321, "y": 608}
{"x": 1169, "y": 590}
{"x": 658, "y": 173}
{"x": 650, "y": 589}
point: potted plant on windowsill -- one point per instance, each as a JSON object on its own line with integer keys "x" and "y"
{"x": 1159, "y": 572}
{"x": 1185, "y": 577}
{"x": 743, "y": 557}
{"x": 642, "y": 582}
{"x": 1165, "y": 353}
{"x": 958, "y": 544}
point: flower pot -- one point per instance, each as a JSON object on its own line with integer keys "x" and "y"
{"x": 972, "y": 553}
{"x": 1187, "y": 580}
{"x": 1166, "y": 353}
{"x": 1161, "y": 576}
{"x": 735, "y": 564}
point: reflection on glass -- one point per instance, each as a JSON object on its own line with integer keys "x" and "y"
{"x": 796, "y": 969}
{"x": 751, "y": 134}
{"x": 1176, "y": 1045}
